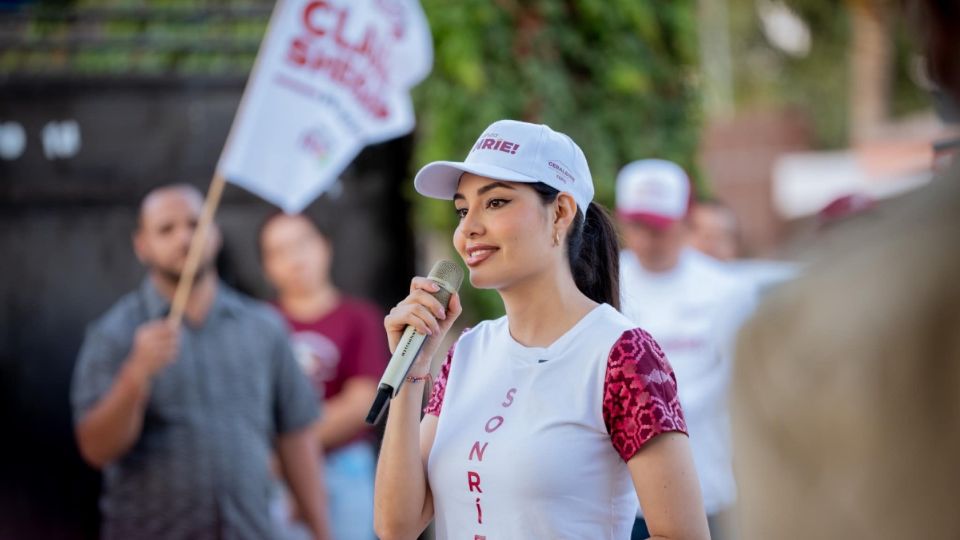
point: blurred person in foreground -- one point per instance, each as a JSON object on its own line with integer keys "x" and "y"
{"x": 692, "y": 306}
{"x": 183, "y": 420}
{"x": 846, "y": 402}
{"x": 340, "y": 344}
{"x": 556, "y": 419}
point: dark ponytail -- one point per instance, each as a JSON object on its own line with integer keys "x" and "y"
{"x": 592, "y": 250}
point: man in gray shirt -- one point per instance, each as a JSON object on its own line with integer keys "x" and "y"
{"x": 183, "y": 420}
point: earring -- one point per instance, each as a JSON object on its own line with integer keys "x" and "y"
{"x": 556, "y": 238}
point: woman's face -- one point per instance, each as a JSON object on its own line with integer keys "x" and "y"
{"x": 505, "y": 233}
{"x": 296, "y": 257}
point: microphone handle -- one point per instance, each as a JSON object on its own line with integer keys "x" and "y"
{"x": 407, "y": 350}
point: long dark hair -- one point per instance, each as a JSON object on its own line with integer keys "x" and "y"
{"x": 592, "y": 250}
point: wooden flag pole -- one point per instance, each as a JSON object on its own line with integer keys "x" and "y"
{"x": 212, "y": 201}
{"x": 214, "y": 193}
{"x": 210, "y": 204}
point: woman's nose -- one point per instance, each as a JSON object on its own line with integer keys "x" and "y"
{"x": 471, "y": 225}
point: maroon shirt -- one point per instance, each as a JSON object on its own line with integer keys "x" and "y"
{"x": 347, "y": 342}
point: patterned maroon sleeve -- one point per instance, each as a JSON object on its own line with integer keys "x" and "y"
{"x": 439, "y": 386}
{"x": 639, "y": 394}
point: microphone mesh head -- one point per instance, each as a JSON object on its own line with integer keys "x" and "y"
{"x": 448, "y": 274}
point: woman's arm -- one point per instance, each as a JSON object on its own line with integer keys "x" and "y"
{"x": 403, "y": 504}
{"x": 666, "y": 482}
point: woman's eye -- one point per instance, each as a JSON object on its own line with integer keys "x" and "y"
{"x": 497, "y": 203}
{"x": 461, "y": 213}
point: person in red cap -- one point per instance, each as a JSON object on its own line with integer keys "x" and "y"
{"x": 692, "y": 306}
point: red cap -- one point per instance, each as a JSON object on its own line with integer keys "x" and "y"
{"x": 655, "y": 221}
{"x": 844, "y": 207}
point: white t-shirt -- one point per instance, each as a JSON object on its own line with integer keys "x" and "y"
{"x": 694, "y": 312}
{"x": 533, "y": 442}
{"x": 763, "y": 275}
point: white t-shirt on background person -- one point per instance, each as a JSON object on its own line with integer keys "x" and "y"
{"x": 533, "y": 442}
{"x": 763, "y": 275}
{"x": 694, "y": 312}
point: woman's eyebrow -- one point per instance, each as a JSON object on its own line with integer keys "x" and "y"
{"x": 493, "y": 185}
{"x": 484, "y": 189}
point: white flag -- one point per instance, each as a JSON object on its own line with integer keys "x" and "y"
{"x": 331, "y": 77}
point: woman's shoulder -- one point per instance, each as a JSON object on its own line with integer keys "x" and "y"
{"x": 610, "y": 322}
{"x": 626, "y": 338}
{"x": 485, "y": 328}
{"x": 473, "y": 336}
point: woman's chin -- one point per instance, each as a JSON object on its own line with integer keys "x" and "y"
{"x": 481, "y": 280}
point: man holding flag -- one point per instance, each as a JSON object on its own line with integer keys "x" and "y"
{"x": 183, "y": 418}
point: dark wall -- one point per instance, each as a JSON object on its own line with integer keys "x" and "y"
{"x": 66, "y": 215}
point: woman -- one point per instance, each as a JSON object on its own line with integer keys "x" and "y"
{"x": 341, "y": 348}
{"x": 539, "y": 420}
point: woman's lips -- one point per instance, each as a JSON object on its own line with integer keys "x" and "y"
{"x": 478, "y": 254}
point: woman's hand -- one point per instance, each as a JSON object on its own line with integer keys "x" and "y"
{"x": 426, "y": 315}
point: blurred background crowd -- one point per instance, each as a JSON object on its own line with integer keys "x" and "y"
{"x": 806, "y": 138}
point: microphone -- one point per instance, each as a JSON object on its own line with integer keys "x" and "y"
{"x": 448, "y": 276}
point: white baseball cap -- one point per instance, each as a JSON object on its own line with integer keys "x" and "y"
{"x": 515, "y": 151}
{"x": 653, "y": 191}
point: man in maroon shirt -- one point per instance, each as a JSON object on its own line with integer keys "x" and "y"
{"x": 340, "y": 344}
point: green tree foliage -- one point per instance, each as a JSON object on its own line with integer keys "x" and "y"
{"x": 135, "y": 38}
{"x": 618, "y": 76}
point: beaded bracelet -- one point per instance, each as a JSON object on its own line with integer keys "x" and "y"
{"x": 412, "y": 378}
